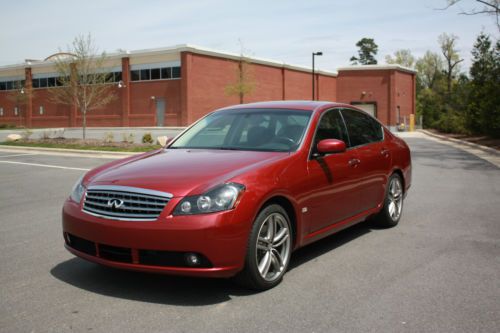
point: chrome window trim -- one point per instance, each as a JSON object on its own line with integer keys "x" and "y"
{"x": 130, "y": 189}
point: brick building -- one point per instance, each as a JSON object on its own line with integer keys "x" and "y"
{"x": 177, "y": 85}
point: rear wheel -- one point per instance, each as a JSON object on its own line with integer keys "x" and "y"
{"x": 269, "y": 249}
{"x": 390, "y": 214}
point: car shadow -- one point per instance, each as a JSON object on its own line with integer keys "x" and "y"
{"x": 181, "y": 291}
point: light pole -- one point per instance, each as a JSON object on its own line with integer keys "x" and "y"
{"x": 313, "y": 55}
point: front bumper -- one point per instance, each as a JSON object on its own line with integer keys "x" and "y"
{"x": 218, "y": 239}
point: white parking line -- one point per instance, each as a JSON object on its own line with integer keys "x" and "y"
{"x": 45, "y": 165}
{"x": 3, "y": 156}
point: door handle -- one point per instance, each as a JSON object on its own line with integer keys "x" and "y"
{"x": 354, "y": 162}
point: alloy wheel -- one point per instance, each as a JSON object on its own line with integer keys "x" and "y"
{"x": 273, "y": 247}
{"x": 395, "y": 197}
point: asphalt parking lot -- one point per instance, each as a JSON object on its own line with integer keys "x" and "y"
{"x": 438, "y": 271}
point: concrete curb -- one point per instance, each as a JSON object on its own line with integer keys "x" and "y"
{"x": 113, "y": 154}
{"x": 463, "y": 142}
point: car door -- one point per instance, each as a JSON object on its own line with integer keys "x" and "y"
{"x": 367, "y": 139}
{"x": 332, "y": 178}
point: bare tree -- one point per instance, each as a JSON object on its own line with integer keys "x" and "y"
{"x": 83, "y": 80}
{"x": 451, "y": 56}
{"x": 245, "y": 83}
{"x": 488, "y": 7}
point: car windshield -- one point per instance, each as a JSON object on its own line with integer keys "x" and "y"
{"x": 247, "y": 129}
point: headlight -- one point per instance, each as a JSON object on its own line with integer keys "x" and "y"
{"x": 221, "y": 198}
{"x": 77, "y": 191}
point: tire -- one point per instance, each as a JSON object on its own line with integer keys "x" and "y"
{"x": 391, "y": 213}
{"x": 267, "y": 261}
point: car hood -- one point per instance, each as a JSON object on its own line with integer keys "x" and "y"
{"x": 184, "y": 172}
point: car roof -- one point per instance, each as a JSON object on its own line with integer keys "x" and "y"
{"x": 296, "y": 105}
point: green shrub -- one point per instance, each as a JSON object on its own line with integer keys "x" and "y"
{"x": 147, "y": 138}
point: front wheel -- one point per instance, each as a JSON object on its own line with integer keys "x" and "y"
{"x": 390, "y": 214}
{"x": 269, "y": 249}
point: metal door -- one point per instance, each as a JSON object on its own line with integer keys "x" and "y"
{"x": 160, "y": 112}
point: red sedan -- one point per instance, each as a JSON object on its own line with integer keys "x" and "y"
{"x": 239, "y": 190}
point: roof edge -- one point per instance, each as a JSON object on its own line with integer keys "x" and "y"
{"x": 376, "y": 67}
{"x": 185, "y": 48}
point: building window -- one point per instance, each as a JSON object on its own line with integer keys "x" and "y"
{"x": 43, "y": 82}
{"x": 41, "y": 110}
{"x": 1, "y": 111}
{"x": 11, "y": 84}
{"x": 16, "y": 111}
{"x": 117, "y": 76}
{"x": 51, "y": 82}
{"x": 134, "y": 75}
{"x": 166, "y": 73}
{"x": 155, "y": 74}
{"x": 145, "y": 74}
{"x": 162, "y": 73}
{"x": 176, "y": 72}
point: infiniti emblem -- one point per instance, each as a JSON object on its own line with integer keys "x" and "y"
{"x": 115, "y": 203}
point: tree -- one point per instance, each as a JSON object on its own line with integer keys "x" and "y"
{"x": 401, "y": 57}
{"x": 452, "y": 58}
{"x": 429, "y": 69}
{"x": 483, "y": 111}
{"x": 488, "y": 7}
{"x": 245, "y": 83}
{"x": 83, "y": 80}
{"x": 366, "y": 53}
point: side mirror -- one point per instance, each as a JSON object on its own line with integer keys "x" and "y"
{"x": 331, "y": 146}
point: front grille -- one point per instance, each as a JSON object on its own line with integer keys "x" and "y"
{"x": 125, "y": 203}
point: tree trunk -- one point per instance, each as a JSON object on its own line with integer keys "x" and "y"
{"x": 241, "y": 85}
{"x": 84, "y": 123}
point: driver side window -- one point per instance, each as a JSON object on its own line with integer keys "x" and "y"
{"x": 331, "y": 126}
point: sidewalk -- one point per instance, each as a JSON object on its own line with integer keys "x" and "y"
{"x": 118, "y": 133}
{"x": 486, "y": 153}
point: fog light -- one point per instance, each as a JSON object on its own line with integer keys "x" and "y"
{"x": 192, "y": 259}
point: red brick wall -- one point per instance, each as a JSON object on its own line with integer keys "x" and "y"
{"x": 376, "y": 85}
{"x": 143, "y": 107}
{"x": 8, "y": 103}
{"x": 205, "y": 81}
{"x": 268, "y": 84}
{"x": 404, "y": 95}
{"x": 298, "y": 85}
{"x": 387, "y": 88}
{"x": 206, "y": 78}
{"x": 327, "y": 88}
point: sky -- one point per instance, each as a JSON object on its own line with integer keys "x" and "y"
{"x": 282, "y": 30}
